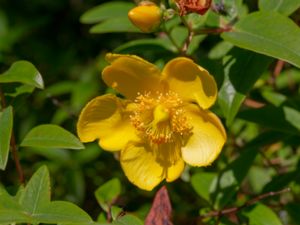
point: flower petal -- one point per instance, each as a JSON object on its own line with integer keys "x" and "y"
{"x": 192, "y": 82}
{"x": 207, "y": 140}
{"x": 146, "y": 167}
{"x": 102, "y": 118}
{"x": 130, "y": 74}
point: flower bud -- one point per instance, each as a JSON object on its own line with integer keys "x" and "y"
{"x": 193, "y": 6}
{"x": 146, "y": 17}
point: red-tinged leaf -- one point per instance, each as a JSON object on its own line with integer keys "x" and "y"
{"x": 161, "y": 210}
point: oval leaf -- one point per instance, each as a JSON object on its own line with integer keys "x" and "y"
{"x": 285, "y": 7}
{"x": 6, "y": 124}
{"x": 118, "y": 24}
{"x": 23, "y": 72}
{"x": 106, "y": 11}
{"x": 108, "y": 192}
{"x": 268, "y": 33}
{"x": 262, "y": 215}
{"x": 51, "y": 136}
{"x": 37, "y": 191}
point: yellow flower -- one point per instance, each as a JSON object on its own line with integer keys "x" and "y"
{"x": 162, "y": 124}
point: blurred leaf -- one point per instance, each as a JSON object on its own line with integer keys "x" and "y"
{"x": 258, "y": 177}
{"x": 281, "y": 181}
{"x": 108, "y": 192}
{"x": 161, "y": 209}
{"x": 260, "y": 214}
{"x": 220, "y": 50}
{"x": 201, "y": 183}
{"x": 6, "y": 125}
{"x": 23, "y": 89}
{"x": 288, "y": 78}
{"x": 179, "y": 35}
{"x": 115, "y": 212}
{"x": 274, "y": 97}
{"x": 293, "y": 210}
{"x": 117, "y": 24}
{"x": 194, "y": 44}
{"x": 285, "y": 7}
{"x": 225, "y": 186}
{"x": 128, "y": 220}
{"x": 106, "y": 11}
{"x": 265, "y": 32}
{"x": 141, "y": 45}
{"x": 23, "y": 72}
{"x": 269, "y": 116}
{"x": 293, "y": 116}
{"x": 238, "y": 80}
{"x": 51, "y": 136}
{"x": 37, "y": 191}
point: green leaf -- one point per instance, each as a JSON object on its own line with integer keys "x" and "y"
{"x": 292, "y": 116}
{"x": 266, "y": 33}
{"x": 118, "y": 24}
{"x": 61, "y": 212}
{"x": 106, "y": 11}
{"x": 51, "y": 136}
{"x": 108, "y": 192}
{"x": 281, "y": 181}
{"x": 37, "y": 191}
{"x": 6, "y": 124}
{"x": 225, "y": 186}
{"x": 260, "y": 214}
{"x": 285, "y": 7}
{"x": 128, "y": 220}
{"x": 293, "y": 210}
{"x": 201, "y": 183}
{"x": 242, "y": 69}
{"x": 23, "y": 72}
{"x": 136, "y": 46}
{"x": 269, "y": 116}
{"x": 220, "y": 50}
{"x": 23, "y": 89}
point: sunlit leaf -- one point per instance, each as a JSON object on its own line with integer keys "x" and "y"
{"x": 106, "y": 11}
{"x": 268, "y": 33}
{"x": 51, "y": 136}
{"x": 23, "y": 72}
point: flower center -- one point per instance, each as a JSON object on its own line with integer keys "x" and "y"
{"x": 160, "y": 117}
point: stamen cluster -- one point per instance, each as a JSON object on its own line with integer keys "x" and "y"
{"x": 160, "y": 117}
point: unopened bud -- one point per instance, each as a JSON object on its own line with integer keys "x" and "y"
{"x": 193, "y": 6}
{"x": 147, "y": 17}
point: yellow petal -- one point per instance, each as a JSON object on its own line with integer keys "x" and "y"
{"x": 192, "y": 82}
{"x": 207, "y": 139}
{"x": 130, "y": 74}
{"x": 146, "y": 167}
{"x": 102, "y": 118}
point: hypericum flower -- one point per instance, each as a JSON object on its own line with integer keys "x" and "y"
{"x": 162, "y": 124}
{"x": 147, "y": 16}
